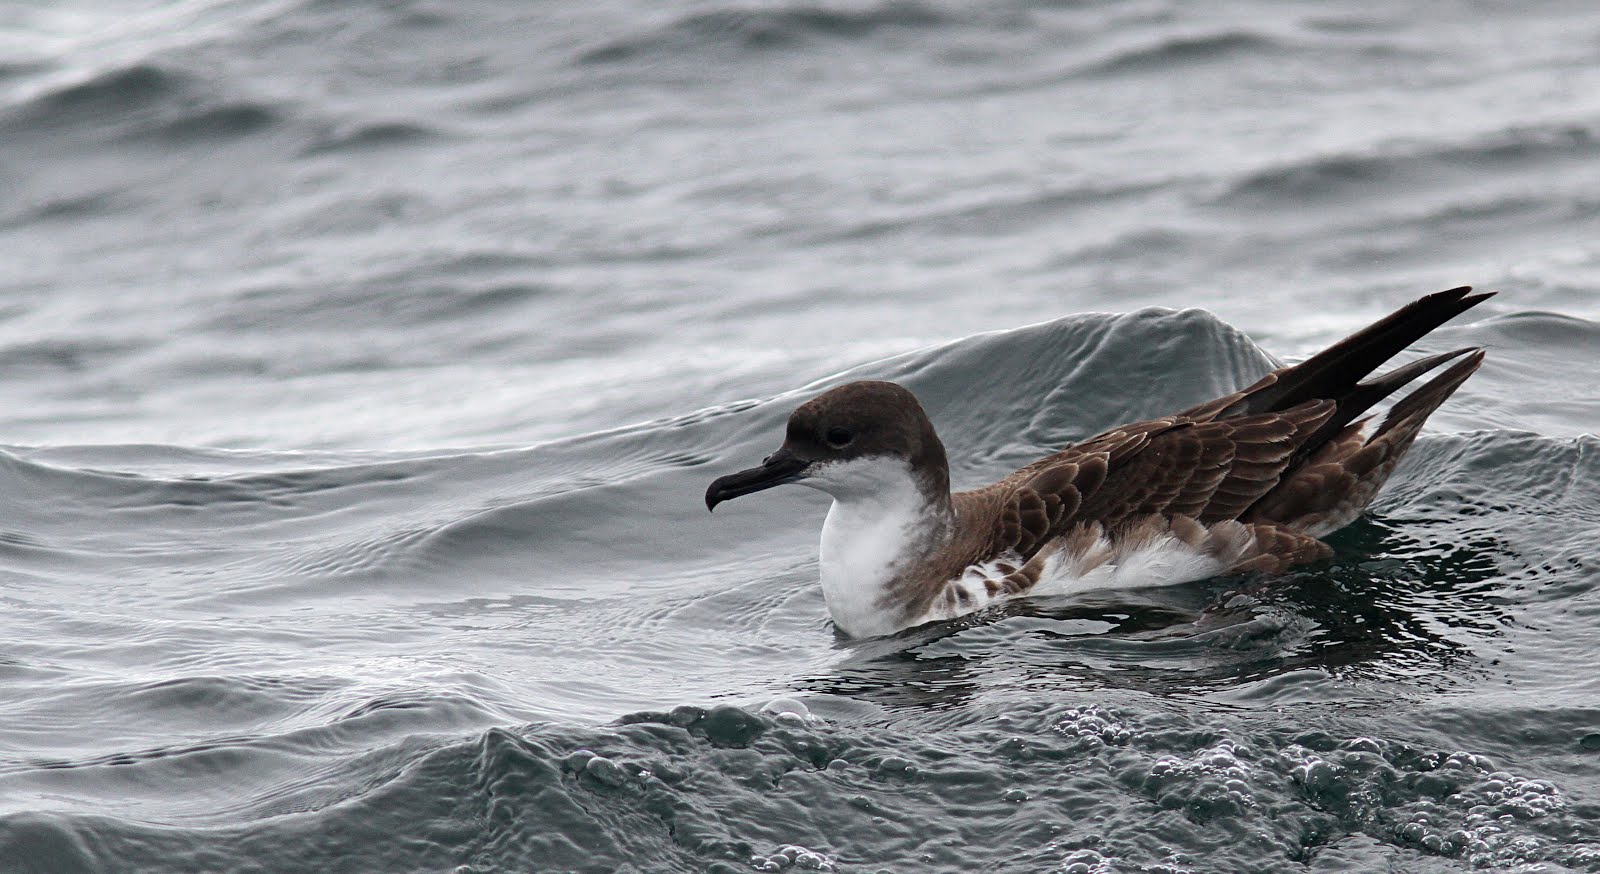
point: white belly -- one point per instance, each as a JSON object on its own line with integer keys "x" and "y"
{"x": 1161, "y": 561}
{"x": 1165, "y": 561}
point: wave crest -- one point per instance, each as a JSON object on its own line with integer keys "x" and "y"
{"x": 758, "y": 30}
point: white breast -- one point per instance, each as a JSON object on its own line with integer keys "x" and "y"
{"x": 879, "y": 521}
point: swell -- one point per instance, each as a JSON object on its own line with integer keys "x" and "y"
{"x": 141, "y": 101}
{"x": 1186, "y": 50}
{"x": 1404, "y": 166}
{"x": 403, "y": 524}
{"x": 725, "y": 788}
{"x": 994, "y": 216}
{"x": 296, "y": 759}
{"x": 691, "y": 788}
{"x": 763, "y": 30}
{"x": 1528, "y": 487}
{"x": 999, "y": 400}
{"x": 367, "y": 137}
{"x": 457, "y": 287}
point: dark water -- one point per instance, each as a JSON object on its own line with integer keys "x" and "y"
{"x": 364, "y": 365}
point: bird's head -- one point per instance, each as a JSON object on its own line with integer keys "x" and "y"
{"x": 843, "y": 441}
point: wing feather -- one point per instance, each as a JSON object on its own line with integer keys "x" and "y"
{"x": 1208, "y": 471}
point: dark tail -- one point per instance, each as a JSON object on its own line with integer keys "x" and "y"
{"x": 1336, "y": 372}
{"x": 1327, "y": 490}
{"x": 1365, "y": 395}
{"x": 1416, "y": 407}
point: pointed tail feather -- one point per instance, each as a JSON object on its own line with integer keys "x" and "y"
{"x": 1415, "y": 408}
{"x": 1365, "y": 395}
{"x": 1334, "y": 372}
{"x": 1332, "y": 487}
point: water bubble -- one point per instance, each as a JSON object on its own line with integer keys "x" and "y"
{"x": 795, "y": 856}
{"x": 1015, "y": 748}
{"x": 1361, "y": 745}
{"x": 685, "y": 715}
{"x": 1468, "y": 761}
{"x": 605, "y": 771}
{"x": 1093, "y": 727}
{"x": 730, "y": 726}
{"x": 1212, "y": 782}
{"x": 576, "y": 761}
{"x": 1086, "y": 862}
{"x": 895, "y": 766}
{"x": 789, "y": 711}
{"x": 1480, "y": 820}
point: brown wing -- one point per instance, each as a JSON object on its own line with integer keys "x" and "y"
{"x": 1281, "y": 454}
{"x": 1332, "y": 486}
{"x": 1209, "y": 471}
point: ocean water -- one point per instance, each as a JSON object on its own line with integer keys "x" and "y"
{"x": 363, "y": 364}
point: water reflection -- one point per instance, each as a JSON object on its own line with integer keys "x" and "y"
{"x": 1388, "y": 608}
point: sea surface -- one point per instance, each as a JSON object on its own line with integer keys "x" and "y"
{"x": 363, "y": 365}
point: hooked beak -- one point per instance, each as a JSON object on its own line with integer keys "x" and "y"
{"x": 780, "y": 467}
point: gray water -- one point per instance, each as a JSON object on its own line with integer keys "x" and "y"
{"x": 364, "y": 364}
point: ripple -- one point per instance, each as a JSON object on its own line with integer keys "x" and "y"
{"x": 760, "y": 30}
{"x": 1187, "y": 50}
{"x": 144, "y": 101}
{"x": 115, "y": 90}
{"x": 372, "y": 137}
{"x": 215, "y": 123}
{"x": 725, "y": 788}
{"x": 1410, "y": 165}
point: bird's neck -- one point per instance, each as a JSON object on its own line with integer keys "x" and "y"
{"x": 885, "y": 522}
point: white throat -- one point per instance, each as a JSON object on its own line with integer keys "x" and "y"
{"x": 878, "y": 524}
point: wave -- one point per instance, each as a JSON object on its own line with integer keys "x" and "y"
{"x": 461, "y": 287}
{"x": 763, "y": 29}
{"x": 67, "y": 354}
{"x": 119, "y": 89}
{"x": 727, "y": 788}
{"x": 1167, "y": 53}
{"x": 12, "y": 68}
{"x": 1407, "y": 166}
{"x": 142, "y": 101}
{"x": 994, "y": 216}
{"x": 999, "y": 399}
{"x": 591, "y": 531}
{"x": 371, "y": 136}
{"x": 71, "y": 208}
{"x": 218, "y": 122}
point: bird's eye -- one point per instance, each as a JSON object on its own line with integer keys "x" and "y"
{"x": 839, "y": 438}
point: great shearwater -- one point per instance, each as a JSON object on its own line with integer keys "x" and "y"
{"x": 1244, "y": 483}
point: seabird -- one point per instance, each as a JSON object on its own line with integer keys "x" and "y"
{"x": 1248, "y": 482}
